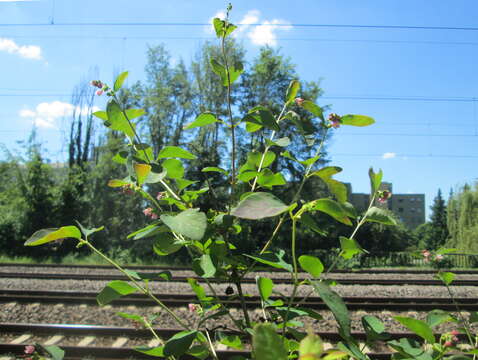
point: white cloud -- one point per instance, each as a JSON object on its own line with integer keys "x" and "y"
{"x": 260, "y": 32}
{"x": 26, "y": 51}
{"x": 46, "y": 114}
{"x": 389, "y": 155}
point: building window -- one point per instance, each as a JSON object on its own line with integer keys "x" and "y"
{"x": 400, "y": 209}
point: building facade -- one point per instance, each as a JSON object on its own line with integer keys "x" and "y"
{"x": 410, "y": 208}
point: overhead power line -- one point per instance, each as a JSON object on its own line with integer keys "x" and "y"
{"x": 299, "y": 25}
{"x": 410, "y": 156}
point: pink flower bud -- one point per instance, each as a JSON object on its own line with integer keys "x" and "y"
{"x": 384, "y": 196}
{"x": 192, "y": 307}
{"x": 335, "y": 120}
{"x": 154, "y": 216}
{"x": 455, "y": 332}
{"x": 99, "y": 92}
{"x": 29, "y": 349}
{"x": 148, "y": 211}
{"x": 448, "y": 344}
{"x": 160, "y": 195}
{"x": 299, "y": 101}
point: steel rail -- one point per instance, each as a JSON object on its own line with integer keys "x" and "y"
{"x": 270, "y": 269}
{"x": 252, "y": 302}
{"x": 109, "y": 277}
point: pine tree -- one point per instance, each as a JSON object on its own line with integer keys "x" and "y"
{"x": 439, "y": 228}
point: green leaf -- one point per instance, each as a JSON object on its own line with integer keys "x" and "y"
{"x": 174, "y": 168}
{"x": 114, "y": 290}
{"x": 263, "y": 117}
{"x": 206, "y": 118}
{"x": 191, "y": 223}
{"x": 375, "y": 214}
{"x": 268, "y": 179}
{"x": 88, "y": 232}
{"x": 259, "y": 205}
{"x": 117, "y": 120}
{"x": 267, "y": 344}
{"x": 198, "y": 290}
{"x": 292, "y": 91}
{"x": 232, "y": 341}
{"x": 311, "y": 347}
{"x": 166, "y": 244}
{"x": 473, "y": 317}
{"x": 315, "y": 109}
{"x": 303, "y": 124}
{"x": 157, "y": 351}
{"x": 247, "y": 175}
{"x": 47, "y": 235}
{"x": 311, "y": 264}
{"x": 349, "y": 247}
{"x": 335, "y": 303}
{"x": 375, "y": 180}
{"x": 184, "y": 183}
{"x": 101, "y": 115}
{"x": 134, "y": 113}
{"x": 338, "y": 189}
{"x": 374, "y": 328}
{"x": 446, "y": 277}
{"x": 356, "y": 120}
{"x": 117, "y": 183}
{"x": 308, "y": 221}
{"x": 265, "y": 286}
{"x": 310, "y": 161}
{"x": 204, "y": 266}
{"x": 437, "y": 317}
{"x": 332, "y": 208}
{"x": 142, "y": 171}
{"x": 282, "y": 142}
{"x": 120, "y": 80}
{"x": 214, "y": 169}
{"x": 179, "y": 343}
{"x": 419, "y": 327}
{"x": 254, "y": 158}
{"x": 409, "y": 348}
{"x": 175, "y": 152}
{"x": 121, "y": 157}
{"x": 223, "y": 29}
{"x": 273, "y": 259}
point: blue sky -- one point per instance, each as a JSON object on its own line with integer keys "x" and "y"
{"x": 420, "y": 85}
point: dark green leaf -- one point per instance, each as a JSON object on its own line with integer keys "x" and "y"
{"x": 308, "y": 221}
{"x": 166, "y": 244}
{"x": 255, "y": 157}
{"x": 114, "y": 290}
{"x": 356, "y": 120}
{"x": 437, "y": 317}
{"x": 292, "y": 91}
{"x": 47, "y": 235}
{"x": 332, "y": 208}
{"x": 204, "y": 266}
{"x": 259, "y": 205}
{"x": 419, "y": 327}
{"x": 312, "y": 265}
{"x": 268, "y": 179}
{"x": 203, "y": 119}
{"x": 175, "y": 152}
{"x": 120, "y": 80}
{"x": 374, "y": 328}
{"x": 375, "y": 214}
{"x": 179, "y": 343}
{"x": 267, "y": 344}
{"x": 273, "y": 259}
{"x": 335, "y": 303}
{"x": 191, "y": 223}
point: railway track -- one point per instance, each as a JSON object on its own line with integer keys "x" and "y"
{"x": 279, "y": 280}
{"x": 251, "y": 302}
{"x": 269, "y": 269}
{"x": 107, "y": 343}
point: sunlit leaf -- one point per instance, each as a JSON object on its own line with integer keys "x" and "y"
{"x": 47, "y": 235}
{"x": 174, "y": 168}
{"x": 120, "y": 80}
{"x": 311, "y": 264}
{"x": 375, "y": 214}
{"x": 175, "y": 152}
{"x": 114, "y": 290}
{"x": 191, "y": 223}
{"x": 203, "y": 119}
{"x": 356, "y": 120}
{"x": 259, "y": 205}
{"x": 292, "y": 91}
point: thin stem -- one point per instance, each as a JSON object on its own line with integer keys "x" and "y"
{"x": 136, "y": 283}
{"x": 211, "y": 346}
{"x": 466, "y": 325}
{"x": 279, "y": 118}
{"x": 294, "y": 274}
{"x": 243, "y": 303}
{"x": 231, "y": 121}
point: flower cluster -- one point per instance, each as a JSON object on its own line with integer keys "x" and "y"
{"x": 299, "y": 101}
{"x": 150, "y": 213}
{"x": 451, "y": 338}
{"x": 335, "y": 120}
{"x": 101, "y": 88}
{"x": 29, "y": 350}
{"x": 383, "y": 196}
{"x": 428, "y": 256}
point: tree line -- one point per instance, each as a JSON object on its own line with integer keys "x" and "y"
{"x": 35, "y": 193}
